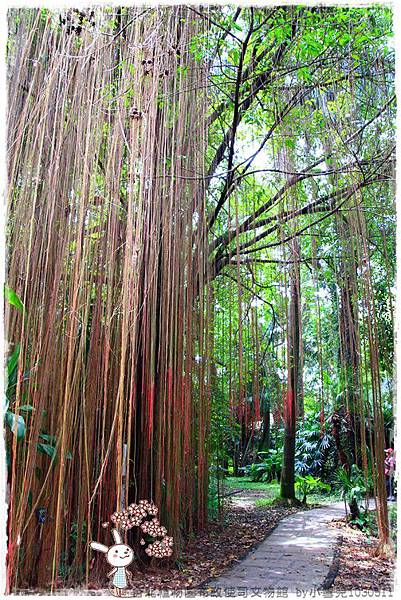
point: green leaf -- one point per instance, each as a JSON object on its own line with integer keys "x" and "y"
{"x": 47, "y": 449}
{"x": 12, "y": 361}
{"x": 12, "y": 371}
{"x": 16, "y": 424}
{"x": 48, "y": 438}
{"x": 290, "y": 143}
{"x": 13, "y": 298}
{"x": 305, "y": 74}
{"x": 234, "y": 56}
{"x": 235, "y": 26}
{"x": 27, "y": 408}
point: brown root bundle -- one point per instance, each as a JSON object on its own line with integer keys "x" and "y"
{"x": 106, "y": 142}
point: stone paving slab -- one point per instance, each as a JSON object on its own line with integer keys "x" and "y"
{"x": 297, "y": 555}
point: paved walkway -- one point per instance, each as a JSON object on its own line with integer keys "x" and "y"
{"x": 297, "y": 555}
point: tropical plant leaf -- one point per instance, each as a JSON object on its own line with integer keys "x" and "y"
{"x": 47, "y": 449}
{"x": 16, "y": 423}
{"x": 27, "y": 408}
{"x": 12, "y": 297}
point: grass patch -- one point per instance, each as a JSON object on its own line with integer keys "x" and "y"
{"x": 265, "y": 502}
{"x": 312, "y": 499}
{"x": 244, "y": 483}
{"x": 272, "y": 491}
{"x": 323, "y": 498}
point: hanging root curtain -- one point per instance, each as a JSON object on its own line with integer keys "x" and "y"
{"x": 106, "y": 238}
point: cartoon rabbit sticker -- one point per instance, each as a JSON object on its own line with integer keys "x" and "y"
{"x": 118, "y": 556}
{"x": 157, "y": 544}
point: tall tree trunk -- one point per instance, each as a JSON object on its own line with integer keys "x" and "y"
{"x": 265, "y": 437}
{"x": 349, "y": 335}
{"x": 293, "y": 386}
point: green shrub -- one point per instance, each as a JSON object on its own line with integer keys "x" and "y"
{"x": 312, "y": 447}
{"x": 354, "y": 488}
{"x": 308, "y": 485}
{"x": 267, "y": 469}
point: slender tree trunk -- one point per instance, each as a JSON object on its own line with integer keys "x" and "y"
{"x": 265, "y": 438}
{"x": 293, "y": 387}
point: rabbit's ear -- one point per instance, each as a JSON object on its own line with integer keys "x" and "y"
{"x": 116, "y": 536}
{"x": 99, "y": 547}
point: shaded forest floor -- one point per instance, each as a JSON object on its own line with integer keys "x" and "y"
{"x": 204, "y": 557}
{"x": 212, "y": 552}
{"x": 358, "y": 567}
{"x": 250, "y": 516}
